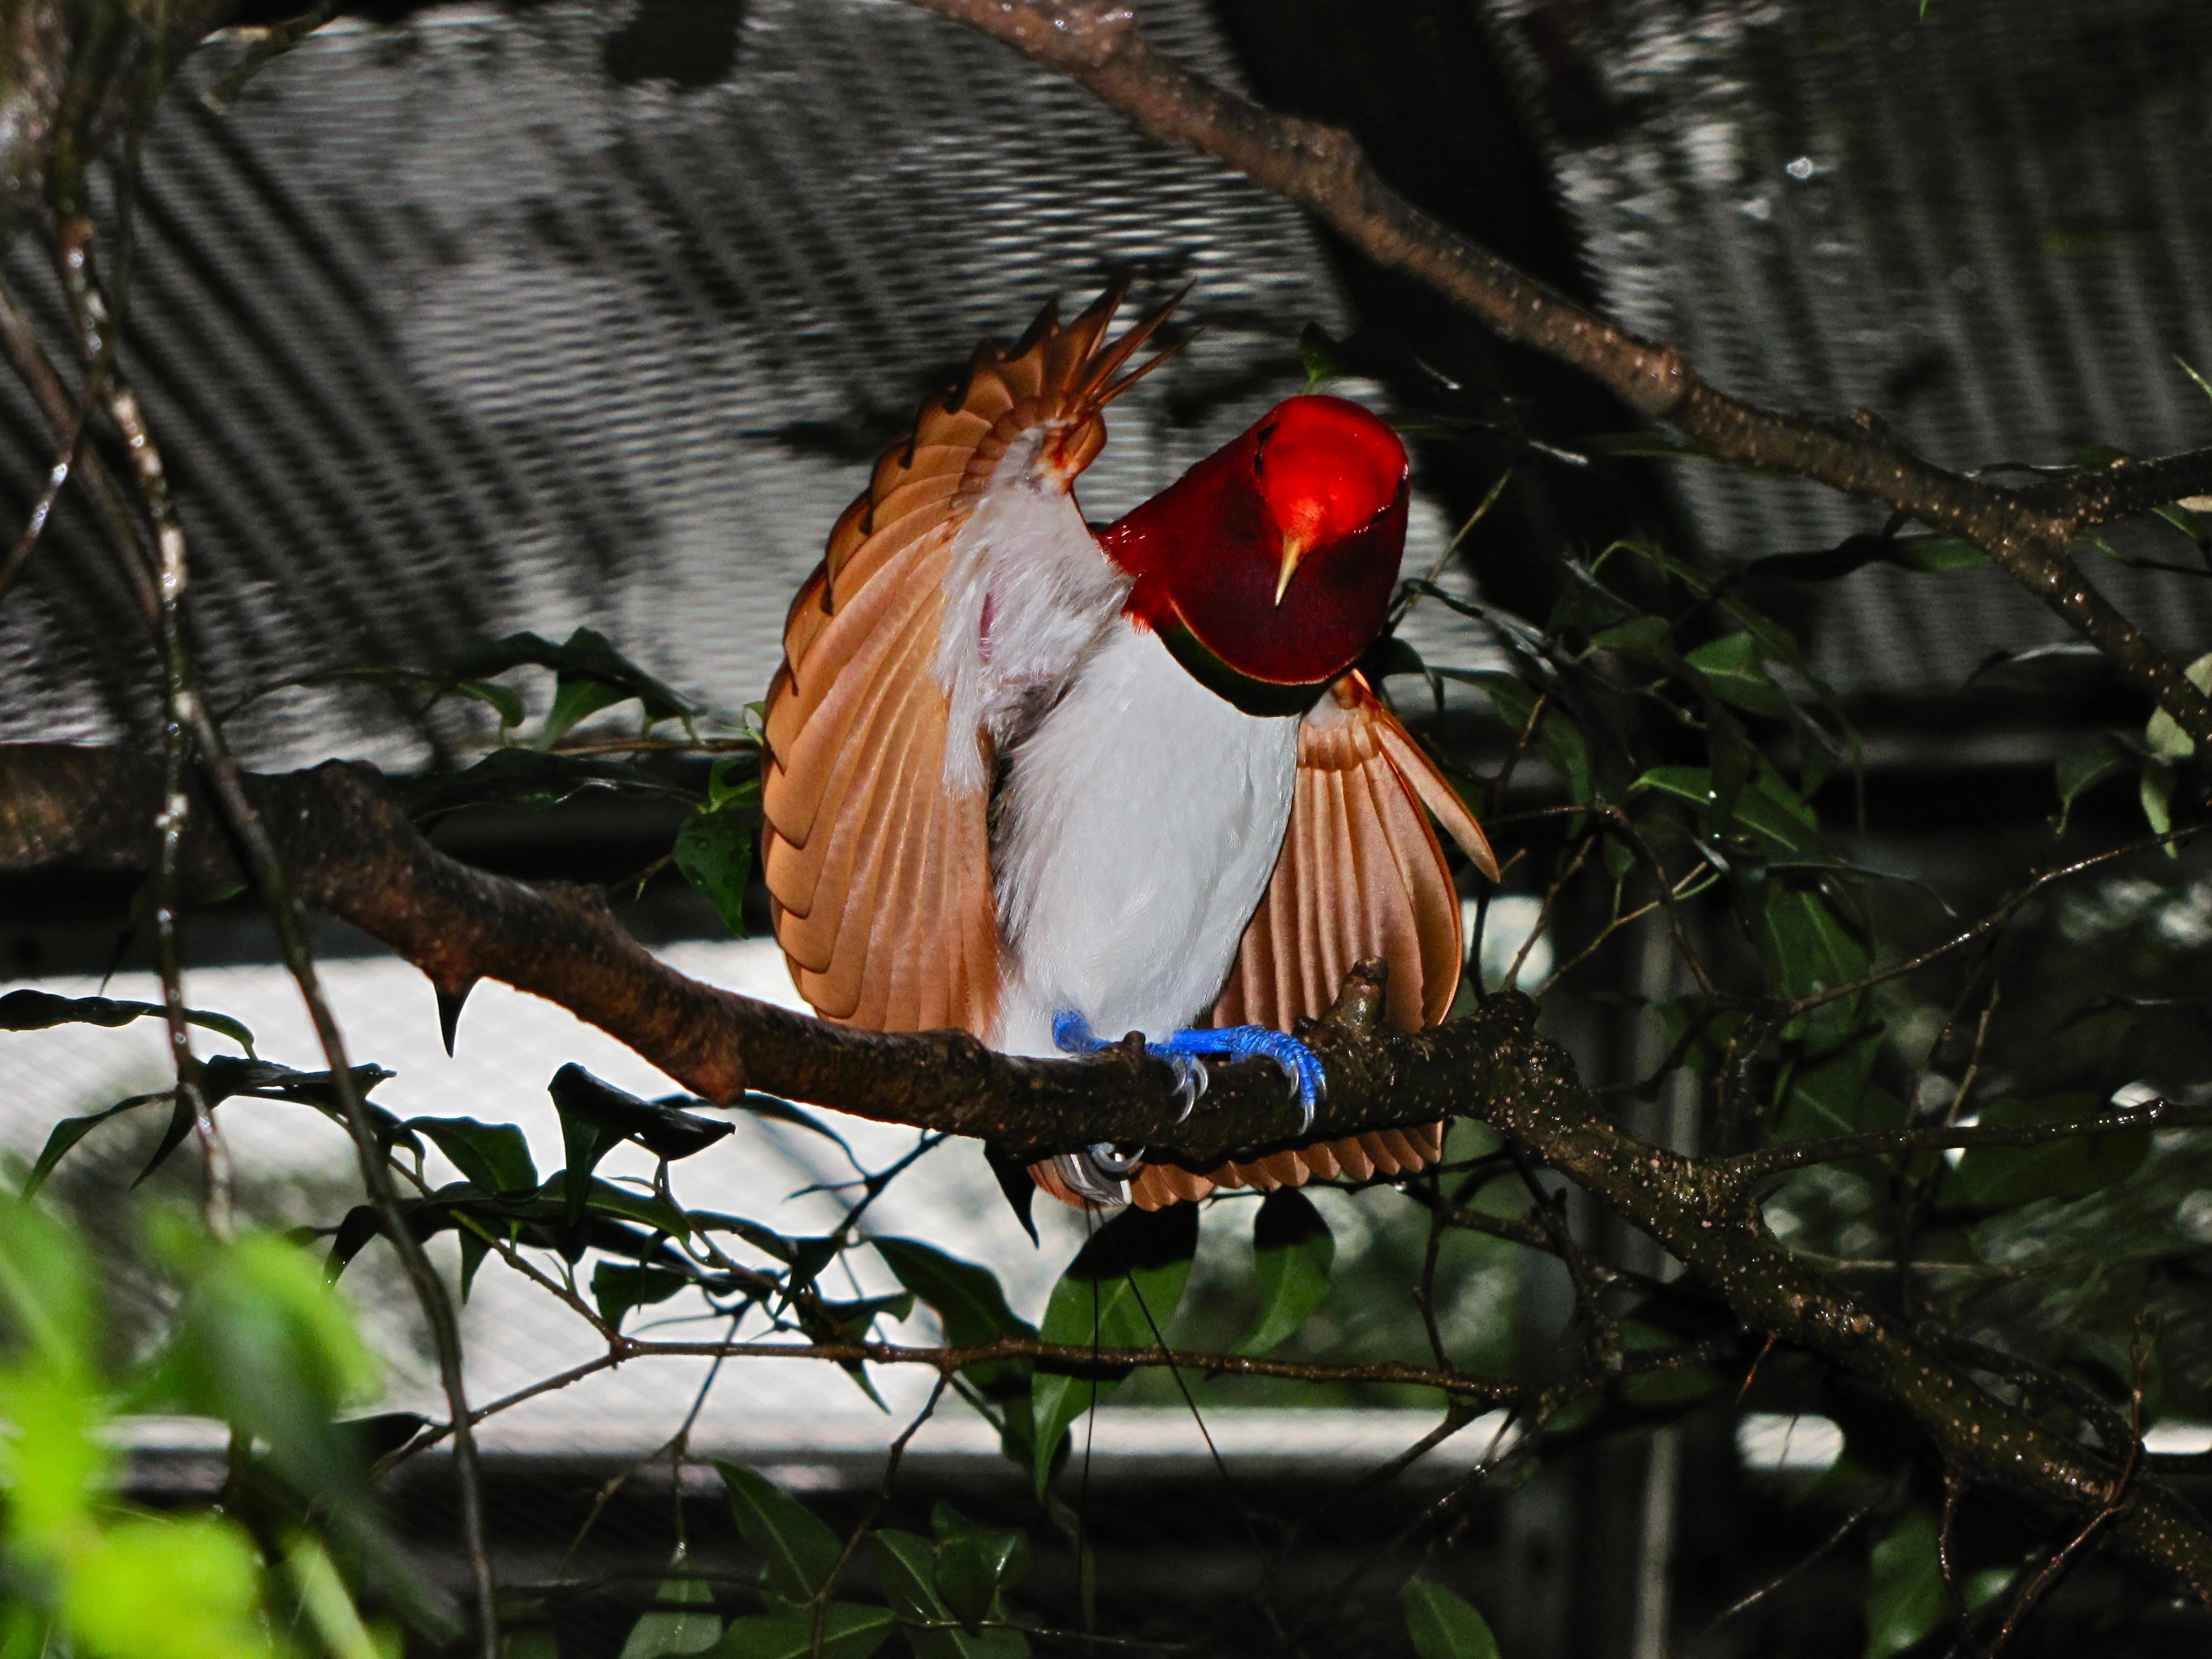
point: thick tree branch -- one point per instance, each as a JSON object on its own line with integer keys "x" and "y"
{"x": 2025, "y": 531}
{"x": 354, "y": 855}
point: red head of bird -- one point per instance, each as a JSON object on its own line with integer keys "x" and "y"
{"x": 1268, "y": 568}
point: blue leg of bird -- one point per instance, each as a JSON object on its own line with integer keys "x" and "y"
{"x": 1301, "y": 1066}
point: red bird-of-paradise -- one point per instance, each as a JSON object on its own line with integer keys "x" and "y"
{"x": 1050, "y": 785}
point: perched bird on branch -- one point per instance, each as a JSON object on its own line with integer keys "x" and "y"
{"x": 1052, "y": 785}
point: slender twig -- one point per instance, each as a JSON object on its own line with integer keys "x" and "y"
{"x": 190, "y": 713}
{"x": 1842, "y": 1530}
{"x": 673, "y": 1448}
{"x": 97, "y": 331}
{"x": 1990, "y": 923}
{"x": 270, "y": 42}
{"x": 1512, "y": 980}
{"x": 1747, "y": 1167}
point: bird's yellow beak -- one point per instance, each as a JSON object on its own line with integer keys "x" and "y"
{"x": 1295, "y": 548}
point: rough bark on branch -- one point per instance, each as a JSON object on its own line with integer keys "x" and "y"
{"x": 2025, "y": 531}
{"x": 354, "y": 855}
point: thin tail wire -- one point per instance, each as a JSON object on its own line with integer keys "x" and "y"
{"x": 1220, "y": 1468}
{"x": 1086, "y": 1596}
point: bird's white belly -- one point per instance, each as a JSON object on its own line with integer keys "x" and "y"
{"x": 1140, "y": 823}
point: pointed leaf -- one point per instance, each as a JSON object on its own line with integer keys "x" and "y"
{"x": 1291, "y": 1250}
{"x": 2078, "y": 773}
{"x": 617, "y": 1289}
{"x": 715, "y": 851}
{"x": 689, "y": 1626}
{"x": 1905, "y": 1599}
{"x": 907, "y": 1562}
{"x": 1737, "y": 673}
{"x": 574, "y": 702}
{"x": 493, "y": 1156}
{"x": 1444, "y": 1627}
{"x": 180, "y": 1126}
{"x": 37, "y": 1011}
{"x": 976, "y": 1565}
{"x": 799, "y": 1550}
{"x": 968, "y": 1300}
{"x": 70, "y": 1130}
{"x": 528, "y": 777}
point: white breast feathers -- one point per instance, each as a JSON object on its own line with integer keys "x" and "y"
{"x": 1140, "y": 821}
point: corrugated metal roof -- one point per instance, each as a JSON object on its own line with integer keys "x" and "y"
{"x": 1987, "y": 225}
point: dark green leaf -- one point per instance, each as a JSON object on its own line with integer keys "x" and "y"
{"x": 1444, "y": 1627}
{"x": 907, "y": 1562}
{"x": 1807, "y": 945}
{"x": 715, "y": 851}
{"x": 618, "y": 1288}
{"x": 976, "y": 1565}
{"x": 1768, "y": 815}
{"x": 1737, "y": 673}
{"x": 1645, "y": 637}
{"x": 2189, "y": 523}
{"x": 2077, "y": 773}
{"x": 2072, "y": 1167}
{"x": 36, "y": 1011}
{"x": 850, "y": 1322}
{"x": 70, "y": 1130}
{"x": 1832, "y": 1091}
{"x": 683, "y": 1622}
{"x": 225, "y": 1075}
{"x": 1118, "y": 1292}
{"x": 851, "y": 1631}
{"x": 607, "y": 1198}
{"x": 1586, "y": 603}
{"x": 574, "y": 702}
{"x": 1292, "y": 1251}
{"x": 969, "y": 1305}
{"x": 596, "y": 1117}
{"x": 733, "y": 781}
{"x": 180, "y": 1126}
{"x": 799, "y": 1550}
{"x": 585, "y": 655}
{"x": 1926, "y": 554}
{"x": 967, "y": 1299}
{"x": 1320, "y": 355}
{"x": 1513, "y": 700}
{"x": 1905, "y": 1599}
{"x": 1562, "y": 741}
{"x": 493, "y": 1156}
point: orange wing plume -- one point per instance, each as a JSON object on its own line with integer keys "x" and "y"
{"x": 1361, "y": 874}
{"x": 878, "y": 870}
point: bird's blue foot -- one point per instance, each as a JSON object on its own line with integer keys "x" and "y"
{"x": 1301, "y": 1066}
{"x": 1072, "y": 1034}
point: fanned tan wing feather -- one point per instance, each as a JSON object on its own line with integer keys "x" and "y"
{"x": 1362, "y": 874}
{"x": 879, "y": 871}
